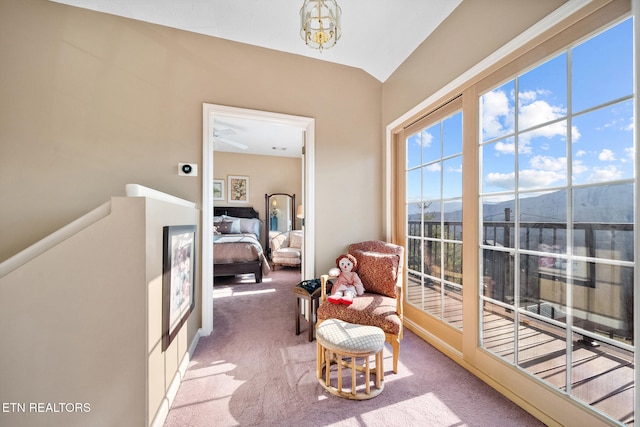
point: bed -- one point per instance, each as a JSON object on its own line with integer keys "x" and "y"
{"x": 237, "y": 247}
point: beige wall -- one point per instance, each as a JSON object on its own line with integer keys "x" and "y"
{"x": 92, "y": 101}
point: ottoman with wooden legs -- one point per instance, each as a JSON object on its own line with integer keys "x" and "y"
{"x": 344, "y": 345}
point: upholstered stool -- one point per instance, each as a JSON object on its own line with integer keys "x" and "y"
{"x": 308, "y": 295}
{"x": 342, "y": 343}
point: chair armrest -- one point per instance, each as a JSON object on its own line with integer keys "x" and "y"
{"x": 279, "y": 241}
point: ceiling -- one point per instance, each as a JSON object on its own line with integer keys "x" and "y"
{"x": 275, "y": 25}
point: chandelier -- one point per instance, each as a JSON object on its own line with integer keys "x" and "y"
{"x": 320, "y": 23}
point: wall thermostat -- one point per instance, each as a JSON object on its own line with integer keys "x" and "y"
{"x": 187, "y": 169}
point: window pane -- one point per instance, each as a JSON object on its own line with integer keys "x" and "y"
{"x": 415, "y": 289}
{"x": 497, "y": 272}
{"x": 603, "y": 146}
{"x": 432, "y": 297}
{"x": 497, "y": 222}
{"x": 543, "y": 285}
{"x": 431, "y": 144}
{"x": 542, "y": 157}
{"x": 542, "y": 350}
{"x": 431, "y": 218}
{"x": 414, "y": 186}
{"x": 497, "y": 111}
{"x": 604, "y": 62}
{"x": 452, "y": 215}
{"x": 543, "y": 221}
{"x": 431, "y": 181}
{"x": 498, "y": 332}
{"x": 542, "y": 93}
{"x": 453, "y": 262}
{"x": 498, "y": 166}
{"x": 432, "y": 258}
{"x": 414, "y": 255}
{"x": 414, "y": 219}
{"x": 603, "y": 304}
{"x": 452, "y": 177}
{"x": 453, "y": 306}
{"x": 603, "y": 221}
{"x": 414, "y": 151}
{"x": 605, "y": 377}
{"x": 452, "y": 135}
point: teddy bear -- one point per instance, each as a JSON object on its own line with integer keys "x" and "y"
{"x": 348, "y": 285}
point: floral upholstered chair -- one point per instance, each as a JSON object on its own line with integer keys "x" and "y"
{"x": 379, "y": 266}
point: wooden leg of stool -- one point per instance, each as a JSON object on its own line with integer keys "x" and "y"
{"x": 379, "y": 369}
{"x": 353, "y": 375}
{"x": 339, "y": 362}
{"x": 327, "y": 367}
{"x": 367, "y": 375}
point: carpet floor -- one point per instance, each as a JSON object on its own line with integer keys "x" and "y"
{"x": 253, "y": 370}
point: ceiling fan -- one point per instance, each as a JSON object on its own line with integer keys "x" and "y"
{"x": 219, "y": 136}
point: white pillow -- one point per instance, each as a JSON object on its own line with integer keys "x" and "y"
{"x": 295, "y": 239}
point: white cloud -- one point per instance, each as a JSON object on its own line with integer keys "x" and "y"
{"x": 425, "y": 140}
{"x": 539, "y": 111}
{"x": 579, "y": 167}
{"x": 630, "y": 152}
{"x": 532, "y": 178}
{"x": 631, "y": 126}
{"x": 504, "y": 147}
{"x": 501, "y": 180}
{"x": 580, "y": 153}
{"x": 455, "y": 170}
{"x": 495, "y": 105}
{"x": 497, "y": 117}
{"x": 606, "y": 155}
{"x": 434, "y": 167}
{"x": 549, "y": 163}
{"x": 608, "y": 173}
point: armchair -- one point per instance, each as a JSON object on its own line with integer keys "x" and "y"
{"x": 380, "y": 267}
{"x": 286, "y": 248}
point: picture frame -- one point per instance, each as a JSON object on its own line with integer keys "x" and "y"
{"x": 218, "y": 189}
{"x": 238, "y": 189}
{"x": 178, "y": 279}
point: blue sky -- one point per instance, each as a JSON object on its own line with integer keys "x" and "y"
{"x": 601, "y": 137}
{"x": 600, "y": 147}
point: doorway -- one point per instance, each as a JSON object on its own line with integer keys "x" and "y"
{"x": 307, "y": 126}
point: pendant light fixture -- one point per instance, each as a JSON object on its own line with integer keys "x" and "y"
{"x": 320, "y": 23}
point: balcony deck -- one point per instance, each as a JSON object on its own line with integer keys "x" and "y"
{"x": 602, "y": 375}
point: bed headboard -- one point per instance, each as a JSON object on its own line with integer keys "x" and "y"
{"x": 236, "y": 211}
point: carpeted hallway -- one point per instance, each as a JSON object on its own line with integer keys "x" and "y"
{"x": 254, "y": 371}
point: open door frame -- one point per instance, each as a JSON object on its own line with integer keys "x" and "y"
{"x": 307, "y": 125}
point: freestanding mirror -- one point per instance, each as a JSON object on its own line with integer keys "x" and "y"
{"x": 280, "y": 214}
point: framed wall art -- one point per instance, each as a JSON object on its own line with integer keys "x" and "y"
{"x": 178, "y": 279}
{"x": 218, "y": 189}
{"x": 238, "y": 189}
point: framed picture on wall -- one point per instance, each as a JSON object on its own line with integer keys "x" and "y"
{"x": 218, "y": 189}
{"x": 178, "y": 279}
{"x": 238, "y": 189}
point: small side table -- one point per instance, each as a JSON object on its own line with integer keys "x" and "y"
{"x": 310, "y": 301}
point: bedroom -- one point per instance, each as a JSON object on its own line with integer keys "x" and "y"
{"x": 267, "y": 174}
